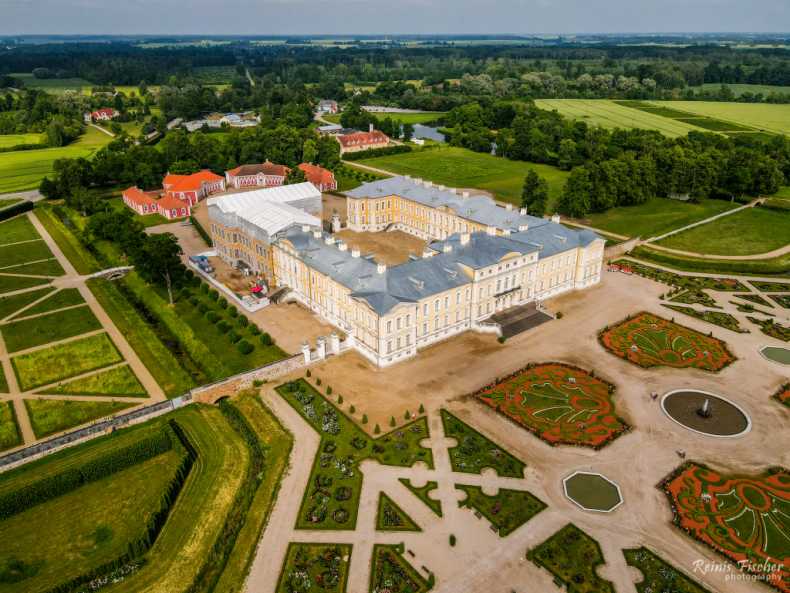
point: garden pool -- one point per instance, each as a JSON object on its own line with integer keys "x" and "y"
{"x": 705, "y": 413}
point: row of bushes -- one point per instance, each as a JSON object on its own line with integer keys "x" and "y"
{"x": 201, "y": 231}
{"x": 137, "y": 548}
{"x": 14, "y": 209}
{"x": 21, "y": 147}
{"x": 70, "y": 479}
{"x": 208, "y": 575}
{"x": 376, "y": 152}
{"x": 776, "y": 266}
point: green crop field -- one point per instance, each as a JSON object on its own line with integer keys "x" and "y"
{"x": 9, "y": 140}
{"x": 608, "y": 114}
{"x": 460, "y": 167}
{"x": 763, "y": 116}
{"x": 24, "y": 169}
{"x": 748, "y": 232}
{"x": 741, "y": 89}
{"x": 656, "y": 216}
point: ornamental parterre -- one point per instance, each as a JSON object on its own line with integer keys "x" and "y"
{"x": 783, "y": 395}
{"x": 747, "y": 519}
{"x": 648, "y": 340}
{"x": 559, "y": 403}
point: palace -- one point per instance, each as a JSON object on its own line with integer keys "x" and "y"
{"x": 482, "y": 260}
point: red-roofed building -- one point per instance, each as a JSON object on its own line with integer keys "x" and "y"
{"x": 193, "y": 188}
{"x": 104, "y": 114}
{"x": 322, "y": 178}
{"x": 149, "y": 202}
{"x": 266, "y": 174}
{"x": 363, "y": 141}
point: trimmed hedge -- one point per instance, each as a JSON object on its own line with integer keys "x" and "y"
{"x": 375, "y": 152}
{"x": 70, "y": 479}
{"x": 16, "y": 209}
{"x": 201, "y": 231}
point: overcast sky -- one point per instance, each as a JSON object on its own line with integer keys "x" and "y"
{"x": 272, "y": 17}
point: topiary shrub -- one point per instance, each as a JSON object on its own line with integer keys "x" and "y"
{"x": 223, "y": 326}
{"x": 244, "y": 347}
{"x": 352, "y": 409}
{"x": 203, "y": 288}
{"x": 213, "y": 294}
{"x": 212, "y": 316}
{"x": 202, "y": 307}
{"x": 422, "y": 409}
{"x": 376, "y": 429}
{"x": 255, "y": 330}
{"x": 406, "y": 415}
{"x": 194, "y": 300}
{"x": 266, "y": 340}
{"x": 243, "y": 321}
{"x": 233, "y": 312}
{"x": 328, "y": 390}
{"x": 223, "y": 302}
{"x": 234, "y": 337}
{"x": 364, "y": 418}
{"x": 392, "y": 421}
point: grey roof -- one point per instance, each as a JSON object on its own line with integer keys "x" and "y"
{"x": 553, "y": 238}
{"x": 482, "y": 249}
{"x": 478, "y": 208}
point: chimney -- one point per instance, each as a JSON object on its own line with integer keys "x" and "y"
{"x": 523, "y": 212}
{"x": 342, "y": 246}
{"x": 305, "y": 228}
{"x": 317, "y": 234}
{"x": 465, "y": 194}
{"x": 355, "y": 253}
{"x": 555, "y": 218}
{"x": 465, "y": 238}
{"x": 447, "y": 248}
{"x": 491, "y": 231}
{"x": 506, "y": 233}
{"x": 381, "y": 268}
{"x": 329, "y": 240}
{"x": 522, "y": 228}
{"x": 427, "y": 253}
{"x": 370, "y": 127}
{"x": 508, "y": 207}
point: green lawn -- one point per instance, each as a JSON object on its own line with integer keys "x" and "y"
{"x": 71, "y": 534}
{"x": 404, "y": 118}
{"x": 3, "y": 381}
{"x": 475, "y": 452}
{"x": 751, "y": 231}
{"x": 64, "y": 360}
{"x": 11, "y": 140}
{"x": 49, "y": 416}
{"x": 775, "y": 266}
{"x": 116, "y": 381}
{"x": 422, "y": 494}
{"x": 9, "y": 431}
{"x": 460, "y": 167}
{"x": 66, "y": 297}
{"x": 10, "y": 304}
{"x": 656, "y": 216}
{"x": 20, "y": 335}
{"x": 741, "y": 89}
{"x": 507, "y": 510}
{"x": 79, "y": 257}
{"x": 153, "y": 352}
{"x": 17, "y": 229}
{"x": 6, "y": 202}
{"x": 14, "y": 255}
{"x": 48, "y": 267}
{"x": 14, "y": 283}
{"x": 148, "y": 220}
{"x": 24, "y": 169}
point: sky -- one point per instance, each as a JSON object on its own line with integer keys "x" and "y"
{"x": 285, "y": 17}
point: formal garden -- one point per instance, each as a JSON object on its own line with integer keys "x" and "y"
{"x": 559, "y": 403}
{"x": 772, "y": 328}
{"x": 390, "y": 517}
{"x": 331, "y": 500}
{"x": 694, "y": 283}
{"x": 658, "y": 575}
{"x": 754, "y": 298}
{"x": 392, "y": 573}
{"x": 572, "y": 557}
{"x": 474, "y": 452}
{"x": 719, "y": 318}
{"x": 783, "y": 394}
{"x": 422, "y": 494}
{"x": 506, "y": 511}
{"x": 770, "y": 286}
{"x": 315, "y": 567}
{"x": 648, "y": 340}
{"x": 744, "y": 518}
{"x": 50, "y": 416}
{"x": 9, "y": 431}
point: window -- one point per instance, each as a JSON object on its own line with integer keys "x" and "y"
{"x": 397, "y": 323}
{"x": 425, "y": 328}
{"x": 425, "y": 309}
{"x": 389, "y": 327}
{"x": 408, "y": 320}
{"x": 436, "y": 305}
{"x": 389, "y": 347}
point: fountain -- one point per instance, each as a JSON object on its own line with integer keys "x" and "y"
{"x": 694, "y": 409}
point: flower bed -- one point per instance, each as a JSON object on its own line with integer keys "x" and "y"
{"x": 391, "y": 573}
{"x": 783, "y": 395}
{"x": 390, "y": 517}
{"x": 681, "y": 281}
{"x": 724, "y": 320}
{"x": 658, "y": 575}
{"x": 506, "y": 511}
{"x": 648, "y": 340}
{"x": 746, "y": 519}
{"x": 770, "y": 328}
{"x": 559, "y": 403}
{"x": 315, "y": 567}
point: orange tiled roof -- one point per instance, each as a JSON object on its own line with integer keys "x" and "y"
{"x": 267, "y": 168}
{"x": 170, "y": 203}
{"x": 138, "y": 196}
{"x": 357, "y": 138}
{"x": 316, "y": 175}
{"x": 190, "y": 182}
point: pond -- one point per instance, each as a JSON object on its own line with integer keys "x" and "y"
{"x": 706, "y": 413}
{"x": 428, "y": 133}
{"x": 776, "y": 354}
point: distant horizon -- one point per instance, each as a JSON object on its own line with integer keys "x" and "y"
{"x": 376, "y": 35}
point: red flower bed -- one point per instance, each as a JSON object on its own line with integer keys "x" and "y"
{"x": 746, "y": 519}
{"x": 649, "y": 340}
{"x": 783, "y": 395}
{"x": 559, "y": 403}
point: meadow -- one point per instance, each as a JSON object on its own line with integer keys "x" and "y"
{"x": 404, "y": 118}
{"x": 748, "y": 232}
{"x": 763, "y": 116}
{"x": 608, "y": 114}
{"x": 24, "y": 169}
{"x": 10, "y": 140}
{"x": 463, "y": 168}
{"x": 742, "y": 89}
{"x": 656, "y": 216}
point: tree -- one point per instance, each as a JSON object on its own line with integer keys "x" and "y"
{"x": 309, "y": 151}
{"x": 295, "y": 175}
{"x": 535, "y": 193}
{"x": 408, "y": 132}
{"x": 158, "y": 260}
{"x": 575, "y": 199}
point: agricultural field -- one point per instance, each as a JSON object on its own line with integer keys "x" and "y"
{"x": 768, "y": 117}
{"x": 572, "y": 556}
{"x": 748, "y": 232}
{"x": 741, "y": 517}
{"x": 463, "y": 168}
{"x": 54, "y": 85}
{"x": 649, "y": 341}
{"x": 656, "y": 216}
{"x": 475, "y": 452}
{"x": 558, "y": 403}
{"x": 608, "y": 114}
{"x": 24, "y": 169}
{"x": 331, "y": 500}
{"x": 742, "y": 89}
{"x": 11, "y": 140}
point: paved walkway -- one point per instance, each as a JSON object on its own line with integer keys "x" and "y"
{"x": 770, "y": 254}
{"x": 70, "y": 279}
{"x": 32, "y": 195}
{"x": 106, "y": 131}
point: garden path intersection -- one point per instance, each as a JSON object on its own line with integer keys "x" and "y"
{"x": 70, "y": 279}
{"x": 637, "y": 461}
